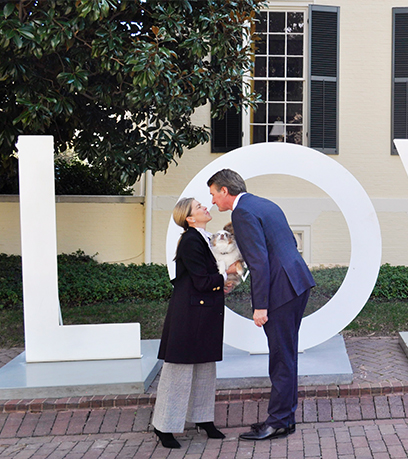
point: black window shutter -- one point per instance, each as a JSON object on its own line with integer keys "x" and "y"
{"x": 399, "y": 128}
{"x": 324, "y": 70}
{"x": 226, "y": 132}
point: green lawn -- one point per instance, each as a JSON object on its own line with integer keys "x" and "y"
{"x": 92, "y": 292}
{"x": 378, "y": 317}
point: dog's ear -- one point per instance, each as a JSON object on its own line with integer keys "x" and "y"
{"x": 228, "y": 227}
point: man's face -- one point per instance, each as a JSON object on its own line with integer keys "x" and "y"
{"x": 221, "y": 198}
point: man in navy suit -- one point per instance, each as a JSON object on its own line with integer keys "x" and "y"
{"x": 280, "y": 287}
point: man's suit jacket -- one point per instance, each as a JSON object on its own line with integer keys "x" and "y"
{"x": 278, "y": 271}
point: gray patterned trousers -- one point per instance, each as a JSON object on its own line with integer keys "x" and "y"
{"x": 185, "y": 393}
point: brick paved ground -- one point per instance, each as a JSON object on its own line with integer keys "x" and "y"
{"x": 341, "y": 424}
{"x": 377, "y": 359}
{"x": 348, "y": 439}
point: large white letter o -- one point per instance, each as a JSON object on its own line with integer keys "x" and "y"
{"x": 346, "y": 192}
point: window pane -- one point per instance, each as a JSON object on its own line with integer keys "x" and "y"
{"x": 294, "y": 134}
{"x": 260, "y": 66}
{"x": 260, "y": 114}
{"x": 279, "y": 79}
{"x": 260, "y": 88}
{"x": 295, "y": 23}
{"x": 276, "y": 132}
{"x": 276, "y": 90}
{"x": 294, "y": 90}
{"x": 276, "y": 138}
{"x": 295, "y": 67}
{"x": 260, "y": 44}
{"x": 259, "y": 134}
{"x": 294, "y": 114}
{"x": 276, "y": 22}
{"x": 276, "y": 45}
{"x": 276, "y": 67}
{"x": 260, "y": 25}
{"x": 276, "y": 113}
{"x": 295, "y": 45}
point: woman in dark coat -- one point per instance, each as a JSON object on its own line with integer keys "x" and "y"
{"x": 193, "y": 332}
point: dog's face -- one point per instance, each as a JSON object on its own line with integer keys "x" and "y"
{"x": 228, "y": 227}
{"x": 223, "y": 241}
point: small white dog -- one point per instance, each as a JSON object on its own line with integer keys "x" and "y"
{"x": 226, "y": 253}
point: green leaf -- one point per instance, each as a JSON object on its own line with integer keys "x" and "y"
{"x": 26, "y": 33}
{"x": 8, "y": 9}
{"x": 18, "y": 41}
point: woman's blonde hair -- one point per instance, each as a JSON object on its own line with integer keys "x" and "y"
{"x": 181, "y": 211}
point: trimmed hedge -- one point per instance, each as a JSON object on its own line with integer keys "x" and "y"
{"x": 392, "y": 281}
{"x": 82, "y": 280}
{"x": 11, "y": 288}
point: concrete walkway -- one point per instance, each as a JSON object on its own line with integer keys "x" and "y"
{"x": 366, "y": 419}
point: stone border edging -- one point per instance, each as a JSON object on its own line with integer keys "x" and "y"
{"x": 120, "y": 401}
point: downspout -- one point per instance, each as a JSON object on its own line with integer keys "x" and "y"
{"x": 148, "y": 217}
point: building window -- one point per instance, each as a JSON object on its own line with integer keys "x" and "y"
{"x": 399, "y": 128}
{"x": 296, "y": 72}
{"x": 302, "y": 236}
{"x": 279, "y": 78}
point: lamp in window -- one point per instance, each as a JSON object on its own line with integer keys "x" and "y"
{"x": 277, "y": 131}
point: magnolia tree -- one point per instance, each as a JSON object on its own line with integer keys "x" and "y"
{"x": 119, "y": 80}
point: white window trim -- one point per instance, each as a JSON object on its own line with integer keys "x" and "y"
{"x": 306, "y": 239}
{"x": 246, "y": 114}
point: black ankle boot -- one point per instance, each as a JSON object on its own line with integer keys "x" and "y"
{"x": 211, "y": 430}
{"x": 167, "y": 439}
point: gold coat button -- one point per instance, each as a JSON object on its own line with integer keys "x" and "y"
{"x": 202, "y": 302}
{"x": 218, "y": 288}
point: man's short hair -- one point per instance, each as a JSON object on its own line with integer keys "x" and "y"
{"x": 234, "y": 183}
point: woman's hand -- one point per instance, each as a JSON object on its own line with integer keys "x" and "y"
{"x": 232, "y": 269}
{"x": 228, "y": 286}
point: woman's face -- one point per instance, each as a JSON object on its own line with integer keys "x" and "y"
{"x": 199, "y": 215}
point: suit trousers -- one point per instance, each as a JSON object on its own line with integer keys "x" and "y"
{"x": 282, "y": 331}
{"x": 186, "y": 392}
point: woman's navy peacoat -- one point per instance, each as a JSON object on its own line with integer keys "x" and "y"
{"x": 193, "y": 328}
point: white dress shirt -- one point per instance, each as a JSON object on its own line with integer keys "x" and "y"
{"x": 235, "y": 203}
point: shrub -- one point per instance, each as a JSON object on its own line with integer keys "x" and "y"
{"x": 82, "y": 280}
{"x": 75, "y": 177}
{"x": 328, "y": 280}
{"x": 11, "y": 289}
{"x": 392, "y": 283}
{"x": 72, "y": 177}
{"x": 85, "y": 281}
